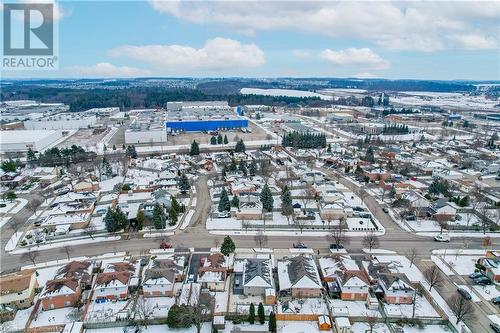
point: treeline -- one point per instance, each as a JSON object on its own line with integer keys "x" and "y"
{"x": 395, "y": 111}
{"x": 137, "y": 97}
{"x": 57, "y": 157}
{"x": 402, "y": 85}
{"x": 304, "y": 140}
{"x": 396, "y": 129}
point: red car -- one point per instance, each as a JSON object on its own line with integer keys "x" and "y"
{"x": 164, "y": 246}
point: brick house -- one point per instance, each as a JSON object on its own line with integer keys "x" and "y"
{"x": 298, "y": 276}
{"x": 161, "y": 274}
{"x": 80, "y": 270}
{"x": 17, "y": 290}
{"x": 113, "y": 283}
{"x": 396, "y": 288}
{"x": 213, "y": 271}
{"x": 60, "y": 293}
{"x": 354, "y": 285}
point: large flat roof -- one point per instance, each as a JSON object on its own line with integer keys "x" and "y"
{"x": 21, "y": 136}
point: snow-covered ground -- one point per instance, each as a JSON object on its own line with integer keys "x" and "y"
{"x": 364, "y": 327}
{"x": 298, "y": 327}
{"x": 54, "y": 317}
{"x": 109, "y": 311}
{"x": 205, "y": 328}
{"x": 353, "y": 308}
{"x": 487, "y": 292}
{"x": 422, "y": 309}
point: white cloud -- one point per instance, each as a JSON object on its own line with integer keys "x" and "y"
{"x": 217, "y": 53}
{"x": 301, "y": 54}
{"x": 105, "y": 69}
{"x": 405, "y": 25}
{"x": 363, "y": 57}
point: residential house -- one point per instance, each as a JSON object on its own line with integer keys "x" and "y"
{"x": 396, "y": 288}
{"x": 161, "y": 274}
{"x": 490, "y": 265}
{"x": 113, "y": 283}
{"x": 257, "y": 276}
{"x": 213, "y": 271}
{"x": 60, "y": 293}
{"x": 80, "y": 270}
{"x": 298, "y": 276}
{"x": 17, "y": 290}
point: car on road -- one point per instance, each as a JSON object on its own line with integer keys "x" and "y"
{"x": 465, "y": 294}
{"x": 385, "y": 210}
{"x": 299, "y": 245}
{"x": 190, "y": 278}
{"x": 496, "y": 300}
{"x": 483, "y": 281}
{"x": 495, "y": 327}
{"x": 476, "y": 275}
{"x": 164, "y": 246}
{"x": 336, "y": 246}
{"x": 442, "y": 238}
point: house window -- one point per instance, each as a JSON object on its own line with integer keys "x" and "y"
{"x": 21, "y": 301}
{"x": 67, "y": 303}
{"x": 51, "y": 306}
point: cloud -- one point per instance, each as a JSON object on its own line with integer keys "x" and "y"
{"x": 363, "y": 57}
{"x": 217, "y": 53}
{"x": 402, "y": 25}
{"x": 105, "y": 69}
{"x": 301, "y": 54}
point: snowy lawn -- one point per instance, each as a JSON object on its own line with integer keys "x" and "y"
{"x": 108, "y": 311}
{"x": 53, "y": 317}
{"x": 422, "y": 309}
{"x": 487, "y": 292}
{"x": 442, "y": 266}
{"x": 298, "y": 327}
{"x": 19, "y": 321}
{"x": 159, "y": 306}
{"x": 206, "y": 328}
{"x": 427, "y": 329}
{"x": 475, "y": 298}
{"x": 363, "y": 328}
{"x": 353, "y": 308}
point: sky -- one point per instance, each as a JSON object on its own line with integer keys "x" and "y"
{"x": 396, "y": 40}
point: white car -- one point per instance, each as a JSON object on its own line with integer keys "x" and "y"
{"x": 442, "y": 238}
{"x": 223, "y": 215}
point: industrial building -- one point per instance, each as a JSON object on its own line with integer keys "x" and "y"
{"x": 21, "y": 141}
{"x": 202, "y": 116}
{"x": 62, "y": 121}
{"x": 146, "y": 128}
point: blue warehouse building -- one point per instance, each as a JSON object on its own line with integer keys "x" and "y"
{"x": 205, "y": 125}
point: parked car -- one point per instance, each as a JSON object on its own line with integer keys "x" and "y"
{"x": 442, "y": 238}
{"x": 223, "y": 215}
{"x": 385, "y": 210}
{"x": 465, "y": 294}
{"x": 299, "y": 245}
{"x": 336, "y": 246}
{"x": 164, "y": 246}
{"x": 190, "y": 278}
{"x": 483, "y": 281}
{"x": 476, "y": 275}
{"x": 496, "y": 300}
{"x": 495, "y": 327}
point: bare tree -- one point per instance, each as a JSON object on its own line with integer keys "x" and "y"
{"x": 260, "y": 238}
{"x": 462, "y": 308}
{"x": 144, "y": 310}
{"x": 33, "y": 204}
{"x": 412, "y": 255}
{"x": 67, "y": 250}
{"x": 371, "y": 321}
{"x": 307, "y": 195}
{"x": 484, "y": 216}
{"x": 301, "y": 223}
{"x": 338, "y": 236}
{"x": 371, "y": 241}
{"x": 15, "y": 225}
{"x": 90, "y": 231}
{"x": 434, "y": 276}
{"x": 31, "y": 255}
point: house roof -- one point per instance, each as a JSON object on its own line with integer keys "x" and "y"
{"x": 17, "y": 282}
{"x": 113, "y": 279}
{"x": 257, "y": 273}
{"x": 75, "y": 269}
{"x": 298, "y": 272}
{"x": 159, "y": 276}
{"x": 394, "y": 282}
{"x": 56, "y": 287}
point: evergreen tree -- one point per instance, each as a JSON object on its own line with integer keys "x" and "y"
{"x": 286, "y": 204}
{"x": 219, "y": 139}
{"x": 233, "y": 166}
{"x": 109, "y": 221}
{"x": 123, "y": 147}
{"x": 240, "y": 146}
{"x": 183, "y": 183}
{"x": 261, "y": 313}
{"x": 253, "y": 168}
{"x": 251, "y": 314}
{"x": 227, "y": 246}
{"x": 213, "y": 140}
{"x": 159, "y": 218}
{"x": 106, "y": 168}
{"x": 121, "y": 219}
{"x": 435, "y": 187}
{"x": 31, "y": 157}
{"x": 272, "y": 322}
{"x": 464, "y": 202}
{"x": 243, "y": 167}
{"x": 329, "y": 149}
{"x": 10, "y": 196}
{"x": 114, "y": 147}
{"x": 173, "y": 216}
{"x": 179, "y": 316}
{"x": 235, "y": 202}
{"x": 266, "y": 198}
{"x": 226, "y": 141}
{"x": 9, "y": 166}
{"x": 369, "y": 157}
{"x": 224, "y": 205}
{"x": 389, "y": 165}
{"x": 140, "y": 218}
{"x": 195, "y": 148}
{"x": 175, "y": 204}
